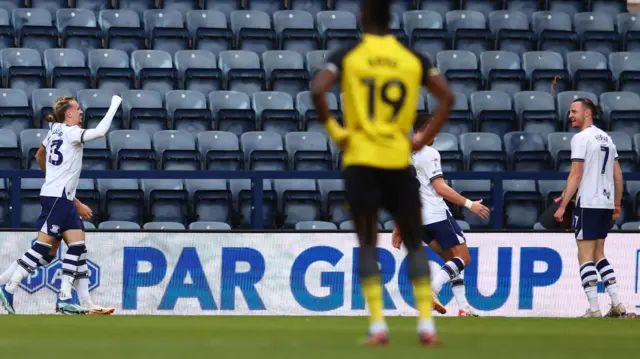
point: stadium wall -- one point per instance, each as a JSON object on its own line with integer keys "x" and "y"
{"x": 309, "y": 274}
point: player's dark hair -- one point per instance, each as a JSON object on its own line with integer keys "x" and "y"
{"x": 60, "y": 107}
{"x": 595, "y": 109}
{"x": 376, "y": 13}
{"x": 421, "y": 122}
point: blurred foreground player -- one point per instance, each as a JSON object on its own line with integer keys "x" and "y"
{"x": 441, "y": 231}
{"x": 597, "y": 178}
{"x": 381, "y": 81}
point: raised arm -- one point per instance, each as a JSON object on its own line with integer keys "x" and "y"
{"x": 104, "y": 125}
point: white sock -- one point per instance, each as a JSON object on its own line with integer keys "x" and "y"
{"x": 459, "y": 293}
{"x": 378, "y": 327}
{"x": 65, "y": 288}
{"x": 589, "y": 280}
{"x": 81, "y": 285}
{"x": 614, "y": 293}
{"x": 449, "y": 270}
{"x": 592, "y": 296}
{"x": 18, "y": 275}
{"x": 6, "y": 275}
{"x": 609, "y": 279}
{"x": 426, "y": 326}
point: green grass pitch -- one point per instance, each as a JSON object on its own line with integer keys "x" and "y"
{"x": 37, "y": 337}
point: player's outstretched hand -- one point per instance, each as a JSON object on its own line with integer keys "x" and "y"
{"x": 116, "y": 100}
{"x": 559, "y": 215}
{"x": 480, "y": 210}
{"x": 396, "y": 240}
{"x": 84, "y": 211}
{"x": 617, "y": 212}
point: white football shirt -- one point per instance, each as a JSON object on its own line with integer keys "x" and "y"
{"x": 595, "y": 148}
{"x": 64, "y": 161}
{"x": 427, "y": 164}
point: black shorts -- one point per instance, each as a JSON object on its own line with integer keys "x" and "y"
{"x": 369, "y": 189}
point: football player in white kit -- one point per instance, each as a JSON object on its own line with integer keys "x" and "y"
{"x": 441, "y": 231}
{"x": 597, "y": 178}
{"x": 59, "y": 219}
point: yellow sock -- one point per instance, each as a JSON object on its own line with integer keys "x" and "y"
{"x": 372, "y": 287}
{"x": 423, "y": 294}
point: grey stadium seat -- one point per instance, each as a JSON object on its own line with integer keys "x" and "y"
{"x": 163, "y": 226}
{"x": 188, "y": 111}
{"x": 554, "y": 30}
{"x": 29, "y": 201}
{"x": 337, "y": 28}
{"x": 333, "y": 197}
{"x": 461, "y": 68}
{"x": 275, "y": 113}
{"x": 563, "y": 103}
{"x": 475, "y": 189}
{"x": 253, "y": 31}
{"x": 241, "y": 195}
{"x": 460, "y": 119}
{"x": 560, "y": 149}
{"x": 469, "y": 30}
{"x": 349, "y": 226}
{"x": 527, "y": 152}
{"x": 306, "y": 109}
{"x": 316, "y": 61}
{"x": 32, "y": 73}
{"x": 210, "y": 200}
{"x": 220, "y": 150}
{"x": 589, "y": 71}
{"x": 176, "y": 151}
{"x": 42, "y": 101}
{"x": 425, "y": 28}
{"x": 154, "y": 70}
{"x": 66, "y": 68}
{"x": 450, "y": 155}
{"x": 122, "y": 30}
{"x": 144, "y": 110}
{"x": 88, "y": 225}
{"x": 627, "y": 157}
{"x": 597, "y": 31}
{"x": 522, "y": 203}
{"x": 483, "y": 151}
{"x": 166, "y": 200}
{"x": 298, "y": 200}
{"x": 620, "y": 111}
{"x": 285, "y": 71}
{"x": 493, "y": 111}
{"x": 232, "y": 111}
{"x": 95, "y": 104}
{"x": 625, "y": 67}
{"x": 121, "y": 199}
{"x": 9, "y": 151}
{"x": 242, "y": 71}
{"x": 119, "y": 225}
{"x": 209, "y": 226}
{"x": 209, "y": 30}
{"x": 502, "y": 71}
{"x": 551, "y": 189}
{"x": 198, "y": 71}
{"x": 631, "y": 226}
{"x": 264, "y": 151}
{"x": 315, "y": 226}
{"x": 308, "y": 151}
{"x": 131, "y": 149}
{"x": 110, "y": 70}
{"x": 537, "y": 112}
{"x": 165, "y": 31}
{"x": 542, "y": 68}
{"x": 511, "y": 28}
{"x": 78, "y": 29}
{"x": 296, "y": 31}
{"x": 15, "y": 102}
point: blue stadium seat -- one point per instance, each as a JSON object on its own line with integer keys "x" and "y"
{"x": 165, "y": 32}
{"x": 119, "y": 226}
{"x": 122, "y": 30}
{"x": 316, "y": 61}
{"x": 296, "y": 31}
{"x": 9, "y": 151}
{"x": 631, "y": 226}
{"x": 88, "y": 193}
{"x": 555, "y": 32}
{"x": 337, "y": 29}
{"x": 315, "y": 226}
{"x": 299, "y": 200}
{"x": 629, "y": 30}
{"x": 30, "y": 201}
{"x": 460, "y": 118}
{"x": 522, "y": 204}
{"x": 209, "y": 226}
{"x": 469, "y": 31}
{"x": 166, "y": 200}
{"x": 241, "y": 194}
{"x": 198, "y": 71}
{"x": 483, "y": 152}
{"x": 439, "y": 6}
{"x": 78, "y": 29}
{"x": 35, "y": 29}
{"x": 42, "y": 101}
{"x": 460, "y": 67}
{"x": 550, "y": 190}
{"x": 546, "y": 72}
{"x": 220, "y": 150}
{"x": 88, "y": 225}
{"x": 93, "y": 5}
{"x": 527, "y": 7}
{"x": 252, "y": 30}
{"x": 95, "y": 104}
{"x": 138, "y": 6}
{"x": 308, "y": 151}
{"x": 268, "y": 6}
{"x": 67, "y": 69}
{"x": 7, "y": 32}
{"x": 15, "y": 113}
{"x": 527, "y": 152}
{"x": 597, "y": 32}
{"x": 537, "y": 112}
{"x": 131, "y": 150}
{"x": 224, "y": 6}
{"x": 333, "y": 199}
{"x": 511, "y": 30}
{"x": 9, "y": 5}
{"x": 625, "y": 67}
{"x": 274, "y": 112}
{"x": 451, "y": 159}
{"x": 110, "y": 70}
{"x": 264, "y": 151}
{"x": 352, "y": 6}
{"x": 311, "y": 6}
{"x": 483, "y": 6}
{"x": 163, "y": 226}
{"x": 96, "y": 155}
{"x": 621, "y": 111}
{"x": 242, "y": 71}
{"x": 180, "y": 6}
{"x": 209, "y": 31}
{"x": 154, "y": 70}
{"x": 210, "y": 200}
{"x": 285, "y": 72}
{"x": 425, "y": 28}
{"x": 493, "y": 112}
{"x": 52, "y": 6}
{"x": 560, "y": 149}
{"x": 501, "y": 71}
{"x": 627, "y": 157}
{"x": 187, "y": 111}
{"x": 121, "y": 200}
{"x": 143, "y": 110}
{"x": 563, "y": 103}
{"x": 232, "y": 112}
{"x": 570, "y": 7}
{"x": 176, "y": 151}
{"x": 476, "y": 190}
{"x": 22, "y": 69}
{"x": 609, "y": 7}
{"x": 589, "y": 72}
{"x": 306, "y": 108}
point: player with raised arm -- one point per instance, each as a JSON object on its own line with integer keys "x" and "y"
{"x": 381, "y": 81}
{"x": 597, "y": 178}
{"x": 441, "y": 231}
{"x": 62, "y": 150}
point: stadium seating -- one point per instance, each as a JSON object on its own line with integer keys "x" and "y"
{"x": 224, "y": 85}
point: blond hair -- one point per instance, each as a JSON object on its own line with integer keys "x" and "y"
{"x": 60, "y": 107}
